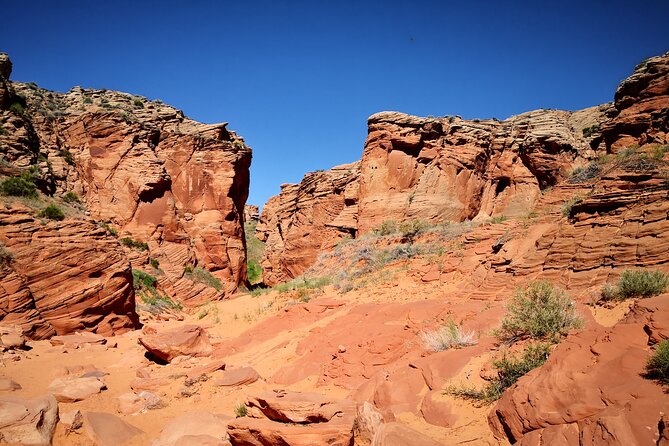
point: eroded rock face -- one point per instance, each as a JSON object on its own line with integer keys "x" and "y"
{"x": 63, "y": 276}
{"x": 450, "y": 169}
{"x": 152, "y": 174}
{"x": 575, "y": 398}
{"x": 306, "y": 219}
{"x": 641, "y": 112}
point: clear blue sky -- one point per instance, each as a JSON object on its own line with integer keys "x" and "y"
{"x": 298, "y": 79}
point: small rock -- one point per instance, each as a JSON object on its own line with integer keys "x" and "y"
{"x": 78, "y": 340}
{"x": 11, "y": 337}
{"x": 187, "y": 340}
{"x": 341, "y": 349}
{"x": 72, "y": 420}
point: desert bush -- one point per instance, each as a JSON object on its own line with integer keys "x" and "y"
{"x": 22, "y": 186}
{"x": 585, "y": 173}
{"x": 411, "y": 228}
{"x": 154, "y": 263}
{"x": 539, "y": 311}
{"x": 657, "y": 366}
{"x": 52, "y": 212}
{"x": 388, "y": 227}
{"x": 569, "y": 204}
{"x": 498, "y": 219}
{"x": 3, "y": 131}
{"x": 88, "y": 101}
{"x": 510, "y": 368}
{"x": 145, "y": 287}
{"x": 67, "y": 155}
{"x": 241, "y": 410}
{"x": 201, "y": 275}
{"x": 17, "y": 108}
{"x": 137, "y": 103}
{"x": 130, "y": 243}
{"x": 636, "y": 283}
{"x": 448, "y": 336}
{"x": 589, "y": 131}
{"x": 109, "y": 229}
{"x": 70, "y": 197}
{"x": 253, "y": 271}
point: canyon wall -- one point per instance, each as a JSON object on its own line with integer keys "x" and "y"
{"x": 451, "y": 169}
{"x": 172, "y": 189}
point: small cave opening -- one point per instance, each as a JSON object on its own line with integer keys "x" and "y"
{"x": 502, "y": 184}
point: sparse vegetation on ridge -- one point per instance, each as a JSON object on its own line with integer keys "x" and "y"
{"x": 201, "y": 275}
{"x": 130, "y": 243}
{"x": 636, "y": 283}
{"x": 145, "y": 287}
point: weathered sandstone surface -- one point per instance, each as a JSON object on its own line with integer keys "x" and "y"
{"x": 173, "y": 188}
{"x": 450, "y": 169}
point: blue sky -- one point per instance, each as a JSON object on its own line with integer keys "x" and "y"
{"x": 298, "y": 79}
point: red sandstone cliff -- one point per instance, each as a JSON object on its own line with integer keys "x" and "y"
{"x": 143, "y": 169}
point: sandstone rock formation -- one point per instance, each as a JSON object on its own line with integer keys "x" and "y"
{"x": 63, "y": 276}
{"x": 592, "y": 389}
{"x": 149, "y": 173}
{"x": 450, "y": 169}
{"x": 298, "y": 420}
{"x": 187, "y": 340}
{"x": 251, "y": 213}
{"x": 307, "y": 218}
{"x": 106, "y": 429}
{"x": 28, "y": 421}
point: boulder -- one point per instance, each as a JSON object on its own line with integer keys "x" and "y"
{"x": 195, "y": 428}
{"x": 298, "y": 407}
{"x": 70, "y": 390}
{"x": 238, "y": 377}
{"x": 78, "y": 340}
{"x": 29, "y": 422}
{"x": 11, "y": 337}
{"x": 187, "y": 340}
{"x": 254, "y": 432}
{"x": 137, "y": 402}
{"x": 105, "y": 429}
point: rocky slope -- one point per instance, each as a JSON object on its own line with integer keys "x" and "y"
{"x": 171, "y": 189}
{"x": 450, "y": 169}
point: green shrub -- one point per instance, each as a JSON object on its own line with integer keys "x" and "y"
{"x": 130, "y": 243}
{"x": 509, "y": 370}
{"x": 657, "y": 366}
{"x": 109, "y": 229}
{"x": 388, "y": 227}
{"x": 241, "y": 410}
{"x": 497, "y": 220}
{"x": 539, "y": 311}
{"x": 52, "y": 212}
{"x": 411, "y": 228}
{"x": 201, "y": 275}
{"x": 637, "y": 283}
{"x": 138, "y": 103}
{"x": 70, "y": 197}
{"x": 88, "y": 101}
{"x": 17, "y": 108}
{"x": 3, "y": 131}
{"x": 145, "y": 287}
{"x": 253, "y": 271}
{"x": 658, "y": 152}
{"x": 154, "y": 263}
{"x": 69, "y": 159}
{"x": 23, "y": 186}
{"x": 589, "y": 131}
{"x": 569, "y": 204}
